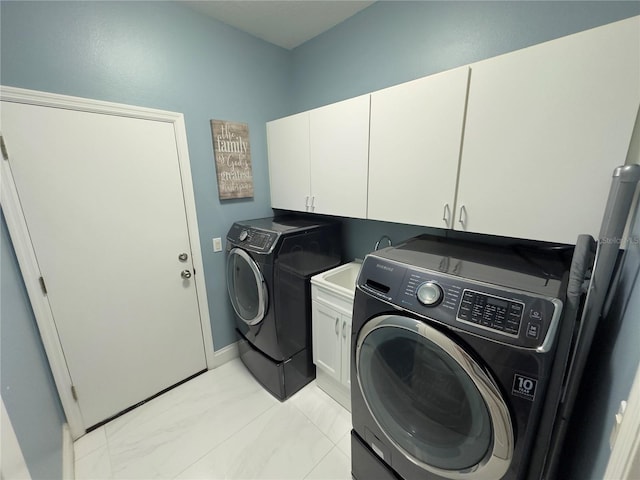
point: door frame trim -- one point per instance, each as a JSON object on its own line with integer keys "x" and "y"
{"x": 26, "y": 255}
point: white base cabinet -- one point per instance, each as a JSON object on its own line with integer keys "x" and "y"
{"x": 331, "y": 307}
{"x": 332, "y": 350}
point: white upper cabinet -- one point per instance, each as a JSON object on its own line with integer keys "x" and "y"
{"x": 288, "y": 145}
{"x": 416, "y": 132}
{"x": 521, "y": 145}
{"x": 339, "y": 139}
{"x": 318, "y": 159}
{"x": 545, "y": 128}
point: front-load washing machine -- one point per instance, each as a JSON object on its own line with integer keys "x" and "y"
{"x": 269, "y": 265}
{"x": 453, "y": 347}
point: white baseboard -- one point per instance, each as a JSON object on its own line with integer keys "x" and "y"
{"x": 68, "y": 456}
{"x": 13, "y": 465}
{"x": 225, "y": 354}
{"x": 336, "y": 390}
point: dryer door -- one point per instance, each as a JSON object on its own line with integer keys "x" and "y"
{"x": 434, "y": 403}
{"x": 246, "y": 286}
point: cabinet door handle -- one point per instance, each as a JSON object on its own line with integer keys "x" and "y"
{"x": 306, "y": 204}
{"x": 456, "y": 269}
{"x": 444, "y": 264}
{"x": 344, "y": 329}
{"x": 313, "y": 200}
{"x": 446, "y": 215}
{"x": 462, "y": 222}
{"x": 337, "y": 328}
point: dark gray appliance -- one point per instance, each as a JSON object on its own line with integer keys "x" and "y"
{"x": 454, "y": 348}
{"x": 269, "y": 265}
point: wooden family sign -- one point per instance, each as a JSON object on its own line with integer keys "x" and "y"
{"x": 233, "y": 159}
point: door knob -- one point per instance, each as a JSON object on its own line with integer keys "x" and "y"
{"x": 185, "y": 274}
{"x": 183, "y": 257}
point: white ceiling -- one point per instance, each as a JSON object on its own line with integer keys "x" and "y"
{"x": 286, "y": 23}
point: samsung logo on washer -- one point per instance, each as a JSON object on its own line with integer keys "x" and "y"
{"x": 384, "y": 267}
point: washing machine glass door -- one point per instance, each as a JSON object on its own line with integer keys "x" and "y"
{"x": 246, "y": 286}
{"x": 432, "y": 400}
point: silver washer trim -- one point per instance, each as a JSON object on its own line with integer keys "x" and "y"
{"x": 496, "y": 463}
{"x": 260, "y": 284}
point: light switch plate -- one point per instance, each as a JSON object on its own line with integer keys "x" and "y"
{"x": 217, "y": 244}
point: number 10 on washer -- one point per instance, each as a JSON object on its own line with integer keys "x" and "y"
{"x": 524, "y": 386}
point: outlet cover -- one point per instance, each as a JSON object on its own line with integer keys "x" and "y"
{"x": 217, "y": 244}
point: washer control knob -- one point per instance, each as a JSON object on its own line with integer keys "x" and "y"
{"x": 243, "y": 235}
{"x": 429, "y": 294}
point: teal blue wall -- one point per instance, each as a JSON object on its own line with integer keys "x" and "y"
{"x": 160, "y": 55}
{"x": 28, "y": 391}
{"x": 609, "y": 373}
{"x": 393, "y": 42}
{"x": 163, "y": 55}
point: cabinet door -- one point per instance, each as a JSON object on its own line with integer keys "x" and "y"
{"x": 288, "y": 145}
{"x": 339, "y": 157}
{"x": 346, "y": 350}
{"x": 416, "y": 131}
{"x": 545, "y": 128}
{"x": 326, "y": 339}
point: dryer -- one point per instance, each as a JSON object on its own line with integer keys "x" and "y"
{"x": 269, "y": 265}
{"x": 454, "y": 345}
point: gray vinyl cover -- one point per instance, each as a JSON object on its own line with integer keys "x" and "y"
{"x": 623, "y": 186}
{"x": 551, "y": 421}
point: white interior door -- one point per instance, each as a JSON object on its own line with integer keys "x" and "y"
{"x": 103, "y": 202}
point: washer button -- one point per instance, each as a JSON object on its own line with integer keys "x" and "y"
{"x": 533, "y": 330}
{"x": 429, "y": 294}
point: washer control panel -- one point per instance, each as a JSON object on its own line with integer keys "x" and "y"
{"x": 498, "y": 313}
{"x": 506, "y": 315}
{"x": 253, "y": 239}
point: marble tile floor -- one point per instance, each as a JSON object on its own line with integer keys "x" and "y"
{"x": 222, "y": 425}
